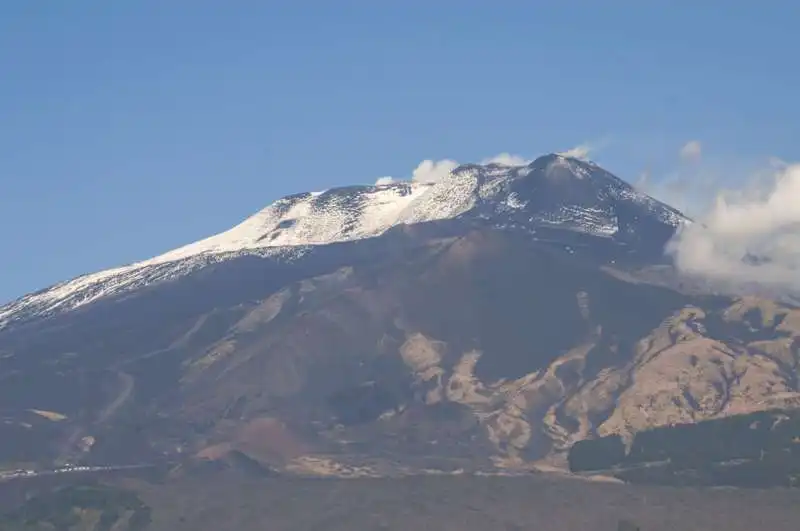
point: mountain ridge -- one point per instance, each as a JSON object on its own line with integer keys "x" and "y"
{"x": 553, "y": 191}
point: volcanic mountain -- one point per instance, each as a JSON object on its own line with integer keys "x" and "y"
{"x": 490, "y": 319}
{"x": 552, "y": 193}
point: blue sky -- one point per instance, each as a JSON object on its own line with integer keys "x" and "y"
{"x": 129, "y": 128}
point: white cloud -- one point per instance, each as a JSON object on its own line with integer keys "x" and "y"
{"x": 643, "y": 182}
{"x": 584, "y": 150}
{"x": 691, "y": 192}
{"x": 430, "y": 171}
{"x": 578, "y": 152}
{"x": 691, "y": 151}
{"x": 507, "y": 159}
{"x": 751, "y": 235}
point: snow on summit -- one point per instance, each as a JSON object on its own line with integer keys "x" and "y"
{"x": 552, "y": 190}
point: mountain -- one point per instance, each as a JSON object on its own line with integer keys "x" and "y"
{"x": 552, "y": 192}
{"x": 487, "y": 321}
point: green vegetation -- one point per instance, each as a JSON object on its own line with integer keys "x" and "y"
{"x": 597, "y": 454}
{"x": 754, "y": 450}
{"x": 627, "y": 525}
{"x": 81, "y": 507}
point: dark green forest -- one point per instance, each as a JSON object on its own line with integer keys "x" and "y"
{"x": 92, "y": 507}
{"x": 755, "y": 450}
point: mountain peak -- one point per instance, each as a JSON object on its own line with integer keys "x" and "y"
{"x": 554, "y": 191}
{"x": 552, "y": 158}
{"x": 560, "y": 166}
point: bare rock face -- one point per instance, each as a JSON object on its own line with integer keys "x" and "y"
{"x": 493, "y": 337}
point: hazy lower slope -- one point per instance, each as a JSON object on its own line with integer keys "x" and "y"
{"x": 425, "y": 503}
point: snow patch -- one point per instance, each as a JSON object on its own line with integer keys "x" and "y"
{"x": 291, "y": 226}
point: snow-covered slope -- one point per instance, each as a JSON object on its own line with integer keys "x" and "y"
{"x": 551, "y": 191}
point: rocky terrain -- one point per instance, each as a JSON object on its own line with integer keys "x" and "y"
{"x": 486, "y": 322}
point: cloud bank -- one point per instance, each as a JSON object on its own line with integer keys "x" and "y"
{"x": 748, "y": 235}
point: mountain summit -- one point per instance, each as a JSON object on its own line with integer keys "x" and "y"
{"x": 489, "y": 320}
{"x": 553, "y": 192}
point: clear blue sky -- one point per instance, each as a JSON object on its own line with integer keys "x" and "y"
{"x": 129, "y": 128}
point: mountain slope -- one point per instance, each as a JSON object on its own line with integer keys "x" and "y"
{"x": 489, "y": 320}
